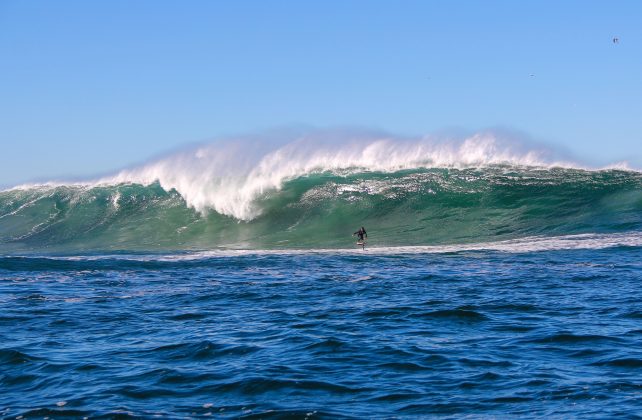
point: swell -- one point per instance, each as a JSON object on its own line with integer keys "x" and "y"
{"x": 229, "y": 176}
{"x": 408, "y": 207}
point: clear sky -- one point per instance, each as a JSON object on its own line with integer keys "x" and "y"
{"x": 91, "y": 86}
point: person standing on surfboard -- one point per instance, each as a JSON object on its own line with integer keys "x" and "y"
{"x": 361, "y": 233}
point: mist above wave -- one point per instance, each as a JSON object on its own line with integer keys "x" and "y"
{"x": 414, "y": 207}
{"x": 227, "y": 176}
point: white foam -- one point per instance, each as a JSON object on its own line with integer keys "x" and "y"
{"x": 228, "y": 176}
{"x": 513, "y": 246}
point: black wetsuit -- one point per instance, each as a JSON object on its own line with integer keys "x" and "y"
{"x": 361, "y": 233}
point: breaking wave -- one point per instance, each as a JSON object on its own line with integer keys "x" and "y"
{"x": 312, "y": 191}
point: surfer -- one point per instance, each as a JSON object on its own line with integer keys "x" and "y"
{"x": 361, "y": 233}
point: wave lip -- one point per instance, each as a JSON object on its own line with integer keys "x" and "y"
{"x": 227, "y": 177}
{"x": 310, "y": 192}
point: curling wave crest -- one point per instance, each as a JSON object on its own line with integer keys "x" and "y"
{"x": 311, "y": 192}
{"x": 228, "y": 176}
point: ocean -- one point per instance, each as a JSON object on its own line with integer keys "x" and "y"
{"x": 492, "y": 285}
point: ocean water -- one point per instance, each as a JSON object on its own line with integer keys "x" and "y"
{"x": 492, "y": 285}
{"x": 324, "y": 335}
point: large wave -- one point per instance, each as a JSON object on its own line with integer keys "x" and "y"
{"x": 229, "y": 176}
{"x": 313, "y": 190}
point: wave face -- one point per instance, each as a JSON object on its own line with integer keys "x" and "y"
{"x": 307, "y": 193}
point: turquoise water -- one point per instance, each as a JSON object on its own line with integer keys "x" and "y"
{"x": 321, "y": 210}
{"x": 503, "y": 291}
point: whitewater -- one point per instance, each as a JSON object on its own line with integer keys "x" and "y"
{"x": 499, "y": 279}
{"x": 228, "y": 177}
{"x": 312, "y": 190}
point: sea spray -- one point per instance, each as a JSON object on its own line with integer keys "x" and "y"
{"x": 229, "y": 176}
{"x": 419, "y": 207}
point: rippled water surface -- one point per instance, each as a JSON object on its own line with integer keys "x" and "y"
{"x": 322, "y": 335}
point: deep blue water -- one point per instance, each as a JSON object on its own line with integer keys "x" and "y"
{"x": 324, "y": 335}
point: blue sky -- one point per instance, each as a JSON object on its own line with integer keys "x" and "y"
{"x": 91, "y": 86}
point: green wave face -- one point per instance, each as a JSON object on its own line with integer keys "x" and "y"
{"x": 412, "y": 207}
